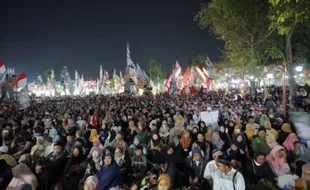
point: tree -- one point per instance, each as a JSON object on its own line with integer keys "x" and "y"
{"x": 243, "y": 26}
{"x": 156, "y": 73}
{"x": 286, "y": 16}
{"x": 199, "y": 60}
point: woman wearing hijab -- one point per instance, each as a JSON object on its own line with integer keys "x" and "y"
{"x": 217, "y": 142}
{"x": 22, "y": 175}
{"x": 286, "y": 129}
{"x": 73, "y": 170}
{"x": 91, "y": 183}
{"x": 303, "y": 183}
{"x": 202, "y": 126}
{"x": 136, "y": 142}
{"x": 94, "y": 165}
{"x": 186, "y": 142}
{"x": 155, "y": 145}
{"x": 263, "y": 119}
{"x": 271, "y": 141}
{"x": 93, "y": 135}
{"x": 277, "y": 161}
{"x": 236, "y": 155}
{"x": 96, "y": 145}
{"x": 260, "y": 172}
{"x": 289, "y": 142}
{"x": 122, "y": 161}
{"x": 164, "y": 182}
{"x": 271, "y": 130}
{"x": 237, "y": 131}
{"x": 250, "y": 131}
{"x": 109, "y": 176}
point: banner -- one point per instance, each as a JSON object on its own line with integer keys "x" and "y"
{"x": 301, "y": 122}
{"x": 209, "y": 117}
{"x": 23, "y": 98}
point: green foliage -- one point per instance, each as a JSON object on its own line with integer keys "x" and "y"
{"x": 156, "y": 71}
{"x": 243, "y": 26}
{"x": 199, "y": 60}
{"x": 285, "y": 14}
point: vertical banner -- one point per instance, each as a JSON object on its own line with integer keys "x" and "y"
{"x": 23, "y": 98}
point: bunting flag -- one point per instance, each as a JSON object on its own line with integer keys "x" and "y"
{"x": 130, "y": 63}
{"x": 21, "y": 81}
{"x": 101, "y": 74}
{"x": 39, "y": 79}
{"x": 175, "y": 75}
{"x": 2, "y": 67}
{"x": 23, "y": 98}
{"x": 186, "y": 77}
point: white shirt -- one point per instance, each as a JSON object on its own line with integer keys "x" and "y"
{"x": 196, "y": 118}
{"x": 210, "y": 169}
{"x": 48, "y": 150}
{"x": 223, "y": 181}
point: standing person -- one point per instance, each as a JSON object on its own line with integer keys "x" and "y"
{"x": 227, "y": 178}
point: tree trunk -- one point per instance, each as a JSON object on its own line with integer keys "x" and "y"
{"x": 289, "y": 59}
{"x": 252, "y": 82}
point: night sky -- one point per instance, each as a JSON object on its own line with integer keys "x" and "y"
{"x": 39, "y": 35}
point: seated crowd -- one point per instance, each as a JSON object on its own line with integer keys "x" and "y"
{"x": 127, "y": 142}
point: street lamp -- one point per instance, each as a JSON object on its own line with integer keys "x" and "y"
{"x": 251, "y": 77}
{"x": 299, "y": 68}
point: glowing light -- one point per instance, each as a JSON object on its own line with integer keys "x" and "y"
{"x": 301, "y": 75}
{"x": 269, "y": 75}
{"x": 299, "y": 68}
{"x": 251, "y": 77}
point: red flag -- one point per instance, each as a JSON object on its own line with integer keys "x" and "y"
{"x": 21, "y": 80}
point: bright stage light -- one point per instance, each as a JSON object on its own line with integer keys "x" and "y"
{"x": 299, "y": 68}
{"x": 269, "y": 75}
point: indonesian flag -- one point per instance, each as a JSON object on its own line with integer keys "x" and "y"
{"x": 2, "y": 67}
{"x": 21, "y": 80}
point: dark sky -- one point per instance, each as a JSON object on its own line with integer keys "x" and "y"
{"x": 39, "y": 35}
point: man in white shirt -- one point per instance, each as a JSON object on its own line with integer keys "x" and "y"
{"x": 196, "y": 117}
{"x": 212, "y": 165}
{"x": 227, "y": 178}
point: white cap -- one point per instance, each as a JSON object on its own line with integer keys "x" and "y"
{"x": 4, "y": 149}
{"x": 209, "y": 108}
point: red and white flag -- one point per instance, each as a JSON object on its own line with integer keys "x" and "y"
{"x": 2, "y": 67}
{"x": 21, "y": 81}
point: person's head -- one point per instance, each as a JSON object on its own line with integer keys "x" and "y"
{"x": 108, "y": 159}
{"x": 76, "y": 152}
{"x": 137, "y": 140}
{"x": 118, "y": 151}
{"x": 119, "y": 136}
{"x": 91, "y": 183}
{"x": 196, "y": 154}
{"x": 237, "y": 129}
{"x": 222, "y": 129}
{"x": 239, "y": 138}
{"x": 139, "y": 151}
{"x": 20, "y": 169}
{"x": 5, "y": 133}
{"x": 191, "y": 122}
{"x": 261, "y": 132}
{"x": 202, "y": 124}
{"x": 4, "y": 150}
{"x": 259, "y": 158}
{"x": 164, "y": 182}
{"x": 251, "y": 120}
{"x": 306, "y": 173}
{"x": 170, "y": 148}
{"x": 69, "y": 138}
{"x": 267, "y": 124}
{"x": 40, "y": 164}
{"x": 186, "y": 133}
{"x": 216, "y": 153}
{"x": 234, "y": 146}
{"x": 200, "y": 137}
{"x": 224, "y": 164}
{"x": 155, "y": 136}
{"x": 58, "y": 147}
{"x": 216, "y": 136}
{"x": 71, "y": 123}
{"x": 279, "y": 153}
{"x": 79, "y": 143}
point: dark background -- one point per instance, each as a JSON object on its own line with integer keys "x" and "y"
{"x": 39, "y": 35}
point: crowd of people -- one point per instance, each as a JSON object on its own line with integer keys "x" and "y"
{"x": 153, "y": 142}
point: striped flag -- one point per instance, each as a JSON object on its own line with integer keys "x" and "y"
{"x": 21, "y": 81}
{"x": 2, "y": 67}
